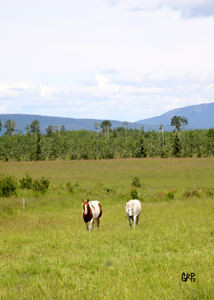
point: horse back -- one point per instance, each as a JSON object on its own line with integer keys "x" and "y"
{"x": 96, "y": 209}
{"x": 137, "y": 206}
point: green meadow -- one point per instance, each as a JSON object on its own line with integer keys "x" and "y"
{"x": 47, "y": 253}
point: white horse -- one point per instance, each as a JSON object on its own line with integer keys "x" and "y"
{"x": 133, "y": 210}
{"x": 91, "y": 211}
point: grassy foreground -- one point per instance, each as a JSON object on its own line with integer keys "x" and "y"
{"x": 46, "y": 252}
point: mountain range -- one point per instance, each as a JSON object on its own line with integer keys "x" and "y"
{"x": 199, "y": 116}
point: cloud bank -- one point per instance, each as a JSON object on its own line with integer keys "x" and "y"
{"x": 119, "y": 99}
{"x": 112, "y": 59}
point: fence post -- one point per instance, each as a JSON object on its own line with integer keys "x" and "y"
{"x": 24, "y": 204}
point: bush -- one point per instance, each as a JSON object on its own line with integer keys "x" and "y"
{"x": 136, "y": 181}
{"x": 69, "y": 188}
{"x": 192, "y": 193}
{"x": 170, "y": 195}
{"x": 73, "y": 156}
{"x": 45, "y": 182}
{"x": 76, "y": 184}
{"x": 209, "y": 192}
{"x": 8, "y": 185}
{"x": 26, "y": 182}
{"x": 134, "y": 194}
{"x": 41, "y": 185}
{"x": 108, "y": 190}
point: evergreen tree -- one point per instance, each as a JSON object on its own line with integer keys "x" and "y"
{"x": 140, "y": 150}
{"x": 176, "y": 147}
{"x": 62, "y": 130}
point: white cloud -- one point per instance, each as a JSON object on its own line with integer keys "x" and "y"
{"x": 191, "y": 8}
{"x": 187, "y": 8}
{"x": 3, "y": 109}
{"x": 97, "y": 58}
{"x": 210, "y": 88}
{"x": 114, "y": 2}
{"x": 133, "y": 90}
{"x": 110, "y": 71}
{"x": 92, "y": 81}
{"x": 120, "y": 100}
{"x": 102, "y": 80}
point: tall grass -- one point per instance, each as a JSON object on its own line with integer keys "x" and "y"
{"x": 46, "y": 252}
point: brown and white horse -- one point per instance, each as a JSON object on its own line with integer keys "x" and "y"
{"x": 91, "y": 211}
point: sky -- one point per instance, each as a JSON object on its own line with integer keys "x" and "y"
{"x": 123, "y": 60}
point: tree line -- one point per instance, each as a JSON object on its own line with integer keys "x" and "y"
{"x": 120, "y": 142}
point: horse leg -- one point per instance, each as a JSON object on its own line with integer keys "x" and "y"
{"x": 130, "y": 223}
{"x": 137, "y": 220}
{"x": 86, "y": 225}
{"x": 91, "y": 224}
{"x": 98, "y": 223}
{"x": 134, "y": 219}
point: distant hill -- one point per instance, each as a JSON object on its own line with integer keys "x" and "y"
{"x": 70, "y": 123}
{"x": 199, "y": 116}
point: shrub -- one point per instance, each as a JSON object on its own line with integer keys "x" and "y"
{"x": 8, "y": 185}
{"x": 26, "y": 182}
{"x": 136, "y": 181}
{"x": 73, "y": 156}
{"x": 134, "y": 194}
{"x": 41, "y": 185}
{"x": 45, "y": 182}
{"x": 37, "y": 186}
{"x": 170, "y": 195}
{"x": 76, "y": 184}
{"x": 209, "y": 192}
{"x": 108, "y": 190}
{"x": 69, "y": 188}
{"x": 191, "y": 193}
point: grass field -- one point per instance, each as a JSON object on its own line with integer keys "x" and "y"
{"x": 46, "y": 252}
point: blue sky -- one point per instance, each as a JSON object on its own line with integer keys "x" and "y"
{"x": 105, "y": 59}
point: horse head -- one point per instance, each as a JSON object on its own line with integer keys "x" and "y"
{"x": 85, "y": 207}
{"x": 130, "y": 209}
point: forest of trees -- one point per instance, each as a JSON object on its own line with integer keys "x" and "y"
{"x": 104, "y": 142}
